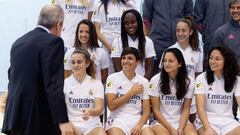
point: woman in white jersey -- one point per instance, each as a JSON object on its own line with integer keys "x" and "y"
{"x": 74, "y": 12}
{"x": 171, "y": 92}
{"x": 132, "y": 35}
{"x": 214, "y": 92}
{"x": 107, "y": 19}
{"x": 127, "y": 98}
{"x": 188, "y": 44}
{"x": 86, "y": 38}
{"x": 84, "y": 95}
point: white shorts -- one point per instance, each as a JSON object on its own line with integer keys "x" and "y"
{"x": 85, "y": 129}
{"x": 221, "y": 128}
{"x": 125, "y": 125}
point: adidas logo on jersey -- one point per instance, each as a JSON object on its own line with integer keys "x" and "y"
{"x": 90, "y": 92}
{"x": 120, "y": 88}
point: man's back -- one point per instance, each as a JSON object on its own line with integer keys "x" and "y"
{"x": 31, "y": 68}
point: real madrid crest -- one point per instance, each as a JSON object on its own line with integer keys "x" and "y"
{"x": 90, "y": 92}
{"x": 94, "y": 57}
{"x": 150, "y": 86}
{"x": 109, "y": 84}
{"x": 192, "y": 59}
{"x": 68, "y": 1}
{"x": 112, "y": 49}
{"x": 199, "y": 85}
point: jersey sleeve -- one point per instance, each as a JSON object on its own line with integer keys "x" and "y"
{"x": 153, "y": 87}
{"x": 145, "y": 92}
{"x": 237, "y": 87}
{"x": 150, "y": 51}
{"x": 110, "y": 85}
{"x": 65, "y": 86}
{"x": 99, "y": 90}
{"x": 190, "y": 92}
{"x": 116, "y": 48}
{"x": 98, "y": 14}
{"x": 104, "y": 59}
{"x": 200, "y": 85}
{"x": 57, "y": 2}
{"x": 91, "y": 5}
{"x": 199, "y": 66}
{"x": 132, "y": 4}
{"x": 67, "y": 60}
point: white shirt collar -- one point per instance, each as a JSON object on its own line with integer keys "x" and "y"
{"x": 40, "y": 26}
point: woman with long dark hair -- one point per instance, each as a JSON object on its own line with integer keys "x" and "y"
{"x": 214, "y": 92}
{"x": 188, "y": 44}
{"x": 107, "y": 20}
{"x": 86, "y": 38}
{"x": 171, "y": 92}
{"x": 74, "y": 12}
{"x": 132, "y": 35}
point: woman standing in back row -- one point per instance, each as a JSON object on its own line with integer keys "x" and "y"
{"x": 86, "y": 38}
{"x": 74, "y": 12}
{"x": 132, "y": 36}
{"x": 107, "y": 20}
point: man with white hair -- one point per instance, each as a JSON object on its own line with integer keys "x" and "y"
{"x": 35, "y": 103}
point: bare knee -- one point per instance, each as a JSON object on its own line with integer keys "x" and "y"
{"x": 160, "y": 130}
{"x": 190, "y": 130}
{"x": 115, "y": 131}
{"x": 147, "y": 131}
{"x": 98, "y": 131}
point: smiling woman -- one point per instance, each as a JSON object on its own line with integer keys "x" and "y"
{"x": 127, "y": 98}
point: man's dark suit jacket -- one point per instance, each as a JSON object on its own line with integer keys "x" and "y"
{"x": 35, "y": 103}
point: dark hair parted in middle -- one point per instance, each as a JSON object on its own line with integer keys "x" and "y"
{"x": 139, "y": 33}
{"x": 182, "y": 80}
{"x": 93, "y": 40}
{"x": 132, "y": 50}
{"x": 230, "y": 68}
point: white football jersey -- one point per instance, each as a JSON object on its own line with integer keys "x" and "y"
{"x": 79, "y": 96}
{"x": 149, "y": 51}
{"x": 193, "y": 59}
{"x": 99, "y": 56}
{"x": 170, "y": 106}
{"x": 74, "y": 12}
{"x": 218, "y": 103}
{"x": 119, "y": 84}
{"x": 111, "y": 23}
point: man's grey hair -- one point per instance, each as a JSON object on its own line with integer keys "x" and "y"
{"x": 50, "y": 15}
